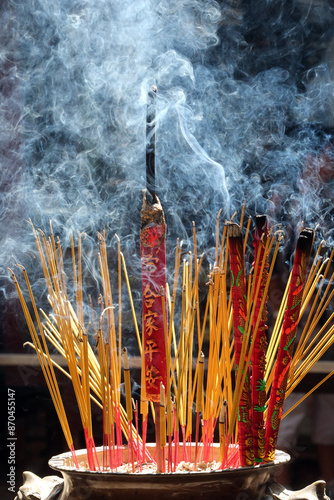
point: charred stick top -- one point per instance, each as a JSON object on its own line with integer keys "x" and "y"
{"x": 151, "y": 141}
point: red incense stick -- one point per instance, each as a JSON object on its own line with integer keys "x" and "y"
{"x": 238, "y": 287}
{"x": 258, "y": 357}
{"x": 154, "y": 277}
{"x": 288, "y": 335}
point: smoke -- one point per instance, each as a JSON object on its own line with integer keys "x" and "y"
{"x": 244, "y": 92}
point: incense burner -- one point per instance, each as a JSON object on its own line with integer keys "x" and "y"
{"x": 246, "y": 483}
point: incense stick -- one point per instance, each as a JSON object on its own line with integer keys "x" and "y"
{"x": 151, "y": 140}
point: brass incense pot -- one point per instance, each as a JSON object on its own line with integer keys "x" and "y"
{"x": 246, "y": 483}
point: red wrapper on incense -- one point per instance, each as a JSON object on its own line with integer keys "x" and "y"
{"x": 258, "y": 357}
{"x": 288, "y": 335}
{"x": 238, "y": 288}
{"x": 153, "y": 258}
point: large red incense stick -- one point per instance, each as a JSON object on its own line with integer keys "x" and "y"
{"x": 238, "y": 288}
{"x": 258, "y": 357}
{"x": 290, "y": 323}
{"x": 154, "y": 277}
{"x": 153, "y": 256}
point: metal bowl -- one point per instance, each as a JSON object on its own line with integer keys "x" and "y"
{"x": 246, "y": 483}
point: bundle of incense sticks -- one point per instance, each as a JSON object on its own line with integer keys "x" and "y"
{"x": 236, "y": 380}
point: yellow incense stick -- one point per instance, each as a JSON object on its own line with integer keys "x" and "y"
{"x": 162, "y": 416}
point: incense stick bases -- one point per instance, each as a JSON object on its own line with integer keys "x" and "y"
{"x": 224, "y": 484}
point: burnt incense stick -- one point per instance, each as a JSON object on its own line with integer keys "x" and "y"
{"x": 154, "y": 278}
{"x": 222, "y": 431}
{"x": 151, "y": 140}
{"x": 127, "y": 382}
